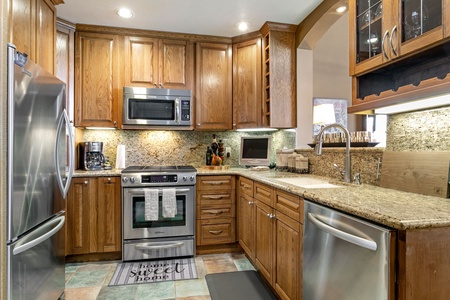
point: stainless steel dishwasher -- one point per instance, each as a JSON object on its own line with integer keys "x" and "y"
{"x": 345, "y": 257}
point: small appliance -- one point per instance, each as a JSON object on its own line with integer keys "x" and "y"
{"x": 156, "y": 106}
{"x": 91, "y": 156}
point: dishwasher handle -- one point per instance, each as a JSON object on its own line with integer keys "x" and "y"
{"x": 362, "y": 242}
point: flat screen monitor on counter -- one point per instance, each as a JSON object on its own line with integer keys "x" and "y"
{"x": 255, "y": 150}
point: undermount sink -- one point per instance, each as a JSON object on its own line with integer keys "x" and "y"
{"x": 309, "y": 183}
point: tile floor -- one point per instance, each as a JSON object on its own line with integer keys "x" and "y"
{"x": 86, "y": 281}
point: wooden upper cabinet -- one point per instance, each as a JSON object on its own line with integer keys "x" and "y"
{"x": 33, "y": 30}
{"x": 279, "y": 105}
{"x": 97, "y": 79}
{"x": 247, "y": 84}
{"x": 385, "y": 30}
{"x": 177, "y": 63}
{"x": 141, "y": 62}
{"x": 213, "y": 87}
{"x": 151, "y": 62}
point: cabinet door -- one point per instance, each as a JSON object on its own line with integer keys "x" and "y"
{"x": 288, "y": 258}
{"x": 141, "y": 62}
{"x": 423, "y": 23}
{"x": 80, "y": 214}
{"x": 265, "y": 238}
{"x": 247, "y": 84}
{"x": 373, "y": 24}
{"x": 109, "y": 215}
{"x": 22, "y": 26}
{"x": 46, "y": 35}
{"x": 213, "y": 87}
{"x": 177, "y": 64}
{"x": 246, "y": 225}
{"x": 96, "y": 80}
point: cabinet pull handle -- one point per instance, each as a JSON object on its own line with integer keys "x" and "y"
{"x": 215, "y": 182}
{"x": 390, "y": 40}
{"x": 218, "y": 197}
{"x": 250, "y": 202}
{"x": 216, "y": 232}
{"x": 217, "y": 212}
{"x": 382, "y": 44}
{"x": 85, "y": 182}
{"x": 271, "y": 216}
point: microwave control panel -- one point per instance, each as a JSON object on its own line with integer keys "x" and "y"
{"x": 185, "y": 110}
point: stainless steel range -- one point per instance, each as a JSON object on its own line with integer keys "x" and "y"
{"x": 158, "y": 212}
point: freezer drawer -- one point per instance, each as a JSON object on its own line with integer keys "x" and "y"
{"x": 345, "y": 257}
{"x": 36, "y": 263}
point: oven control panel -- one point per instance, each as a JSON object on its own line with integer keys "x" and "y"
{"x": 158, "y": 179}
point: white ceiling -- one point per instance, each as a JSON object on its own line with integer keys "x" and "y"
{"x": 208, "y": 17}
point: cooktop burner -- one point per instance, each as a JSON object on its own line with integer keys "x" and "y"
{"x": 152, "y": 169}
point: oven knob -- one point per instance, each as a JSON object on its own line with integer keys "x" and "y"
{"x": 192, "y": 178}
{"x": 132, "y": 179}
{"x": 124, "y": 179}
{"x": 184, "y": 178}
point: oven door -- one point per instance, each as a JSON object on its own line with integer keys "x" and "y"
{"x": 135, "y": 226}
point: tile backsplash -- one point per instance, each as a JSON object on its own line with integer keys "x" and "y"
{"x": 176, "y": 147}
{"x": 427, "y": 130}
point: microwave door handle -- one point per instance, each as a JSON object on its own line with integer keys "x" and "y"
{"x": 177, "y": 110}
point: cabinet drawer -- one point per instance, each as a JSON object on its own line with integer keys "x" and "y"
{"x": 215, "y": 197}
{"x": 215, "y": 182}
{"x": 289, "y": 204}
{"x": 246, "y": 186}
{"x": 217, "y": 231}
{"x": 264, "y": 193}
{"x": 216, "y": 211}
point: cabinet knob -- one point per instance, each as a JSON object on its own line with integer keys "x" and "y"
{"x": 271, "y": 216}
{"x": 85, "y": 182}
{"x": 198, "y": 124}
{"x": 109, "y": 179}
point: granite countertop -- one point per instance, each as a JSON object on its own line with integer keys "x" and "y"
{"x": 392, "y": 208}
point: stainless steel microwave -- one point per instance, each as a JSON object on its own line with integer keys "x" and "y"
{"x": 154, "y": 106}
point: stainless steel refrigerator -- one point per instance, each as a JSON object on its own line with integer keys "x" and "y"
{"x": 40, "y": 167}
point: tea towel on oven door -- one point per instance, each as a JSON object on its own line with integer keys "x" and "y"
{"x": 151, "y": 205}
{"x": 169, "y": 203}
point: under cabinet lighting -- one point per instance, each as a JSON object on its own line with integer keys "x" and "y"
{"x": 100, "y": 128}
{"x": 256, "y": 129}
{"x": 433, "y": 102}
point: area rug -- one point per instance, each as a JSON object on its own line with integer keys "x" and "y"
{"x": 241, "y": 285}
{"x": 154, "y": 271}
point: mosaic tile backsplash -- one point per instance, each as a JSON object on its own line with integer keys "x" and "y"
{"x": 176, "y": 147}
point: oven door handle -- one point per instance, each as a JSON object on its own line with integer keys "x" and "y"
{"x": 156, "y": 246}
{"x": 141, "y": 191}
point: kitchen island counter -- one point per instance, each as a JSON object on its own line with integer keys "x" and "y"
{"x": 392, "y": 208}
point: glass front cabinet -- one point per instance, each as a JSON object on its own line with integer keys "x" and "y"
{"x": 384, "y": 30}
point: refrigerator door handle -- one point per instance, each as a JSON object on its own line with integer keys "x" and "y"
{"x": 362, "y": 242}
{"x": 60, "y": 220}
{"x": 65, "y": 187}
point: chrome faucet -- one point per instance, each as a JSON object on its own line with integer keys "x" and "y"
{"x": 318, "y": 149}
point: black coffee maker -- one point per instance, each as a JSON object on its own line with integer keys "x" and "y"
{"x": 91, "y": 156}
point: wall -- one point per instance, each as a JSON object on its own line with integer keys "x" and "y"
{"x": 176, "y": 147}
{"x": 327, "y": 76}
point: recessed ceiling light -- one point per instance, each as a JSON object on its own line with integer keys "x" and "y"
{"x": 341, "y": 9}
{"x": 242, "y": 26}
{"x": 125, "y": 13}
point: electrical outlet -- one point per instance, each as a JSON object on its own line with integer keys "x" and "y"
{"x": 228, "y": 151}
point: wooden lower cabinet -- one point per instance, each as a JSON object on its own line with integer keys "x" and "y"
{"x": 272, "y": 238}
{"x": 265, "y": 241}
{"x": 288, "y": 264}
{"x": 216, "y": 211}
{"x": 94, "y": 216}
